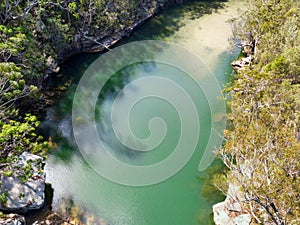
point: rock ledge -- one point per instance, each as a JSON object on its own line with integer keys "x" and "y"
{"x": 24, "y": 194}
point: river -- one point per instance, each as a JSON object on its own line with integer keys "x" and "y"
{"x": 200, "y": 27}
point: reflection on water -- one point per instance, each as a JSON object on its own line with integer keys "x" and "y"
{"x": 178, "y": 200}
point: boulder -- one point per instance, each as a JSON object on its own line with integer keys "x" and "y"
{"x": 24, "y": 192}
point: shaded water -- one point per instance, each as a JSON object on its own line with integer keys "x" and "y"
{"x": 201, "y": 28}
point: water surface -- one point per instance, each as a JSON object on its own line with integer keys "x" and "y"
{"x": 201, "y": 28}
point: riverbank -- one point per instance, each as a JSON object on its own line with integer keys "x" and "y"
{"x": 231, "y": 211}
{"x": 262, "y": 143}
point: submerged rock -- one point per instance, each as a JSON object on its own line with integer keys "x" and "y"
{"x": 82, "y": 219}
{"x": 24, "y": 190}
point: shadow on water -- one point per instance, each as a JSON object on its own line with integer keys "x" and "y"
{"x": 160, "y": 27}
{"x": 165, "y": 25}
{"x": 209, "y": 191}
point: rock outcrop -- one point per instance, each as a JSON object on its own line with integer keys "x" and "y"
{"x": 242, "y": 63}
{"x": 230, "y": 212}
{"x": 24, "y": 189}
{"x": 248, "y": 49}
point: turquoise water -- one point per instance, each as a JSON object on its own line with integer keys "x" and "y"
{"x": 176, "y": 201}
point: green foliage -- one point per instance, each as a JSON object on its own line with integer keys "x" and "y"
{"x": 8, "y": 173}
{"x": 3, "y": 197}
{"x": 211, "y": 178}
{"x": 51, "y": 28}
{"x": 19, "y": 136}
{"x": 12, "y": 87}
{"x": 27, "y": 172}
{"x": 262, "y": 147}
{"x": 17, "y": 133}
{"x": 21, "y": 195}
{"x": 275, "y": 27}
{"x": 219, "y": 181}
{"x": 13, "y": 42}
{"x": 19, "y": 46}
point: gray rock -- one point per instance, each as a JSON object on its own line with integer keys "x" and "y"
{"x": 27, "y": 194}
{"x": 13, "y": 219}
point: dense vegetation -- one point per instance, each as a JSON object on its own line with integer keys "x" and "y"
{"x": 37, "y": 35}
{"x": 263, "y": 140}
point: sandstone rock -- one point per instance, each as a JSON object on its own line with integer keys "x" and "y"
{"x": 242, "y": 63}
{"x": 24, "y": 194}
{"x": 233, "y": 206}
{"x": 244, "y": 219}
{"x": 52, "y": 64}
{"x": 233, "y": 198}
{"x": 221, "y": 216}
{"x": 230, "y": 212}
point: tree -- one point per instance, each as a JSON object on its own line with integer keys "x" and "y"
{"x": 12, "y": 88}
{"x": 262, "y": 148}
{"x": 263, "y": 139}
